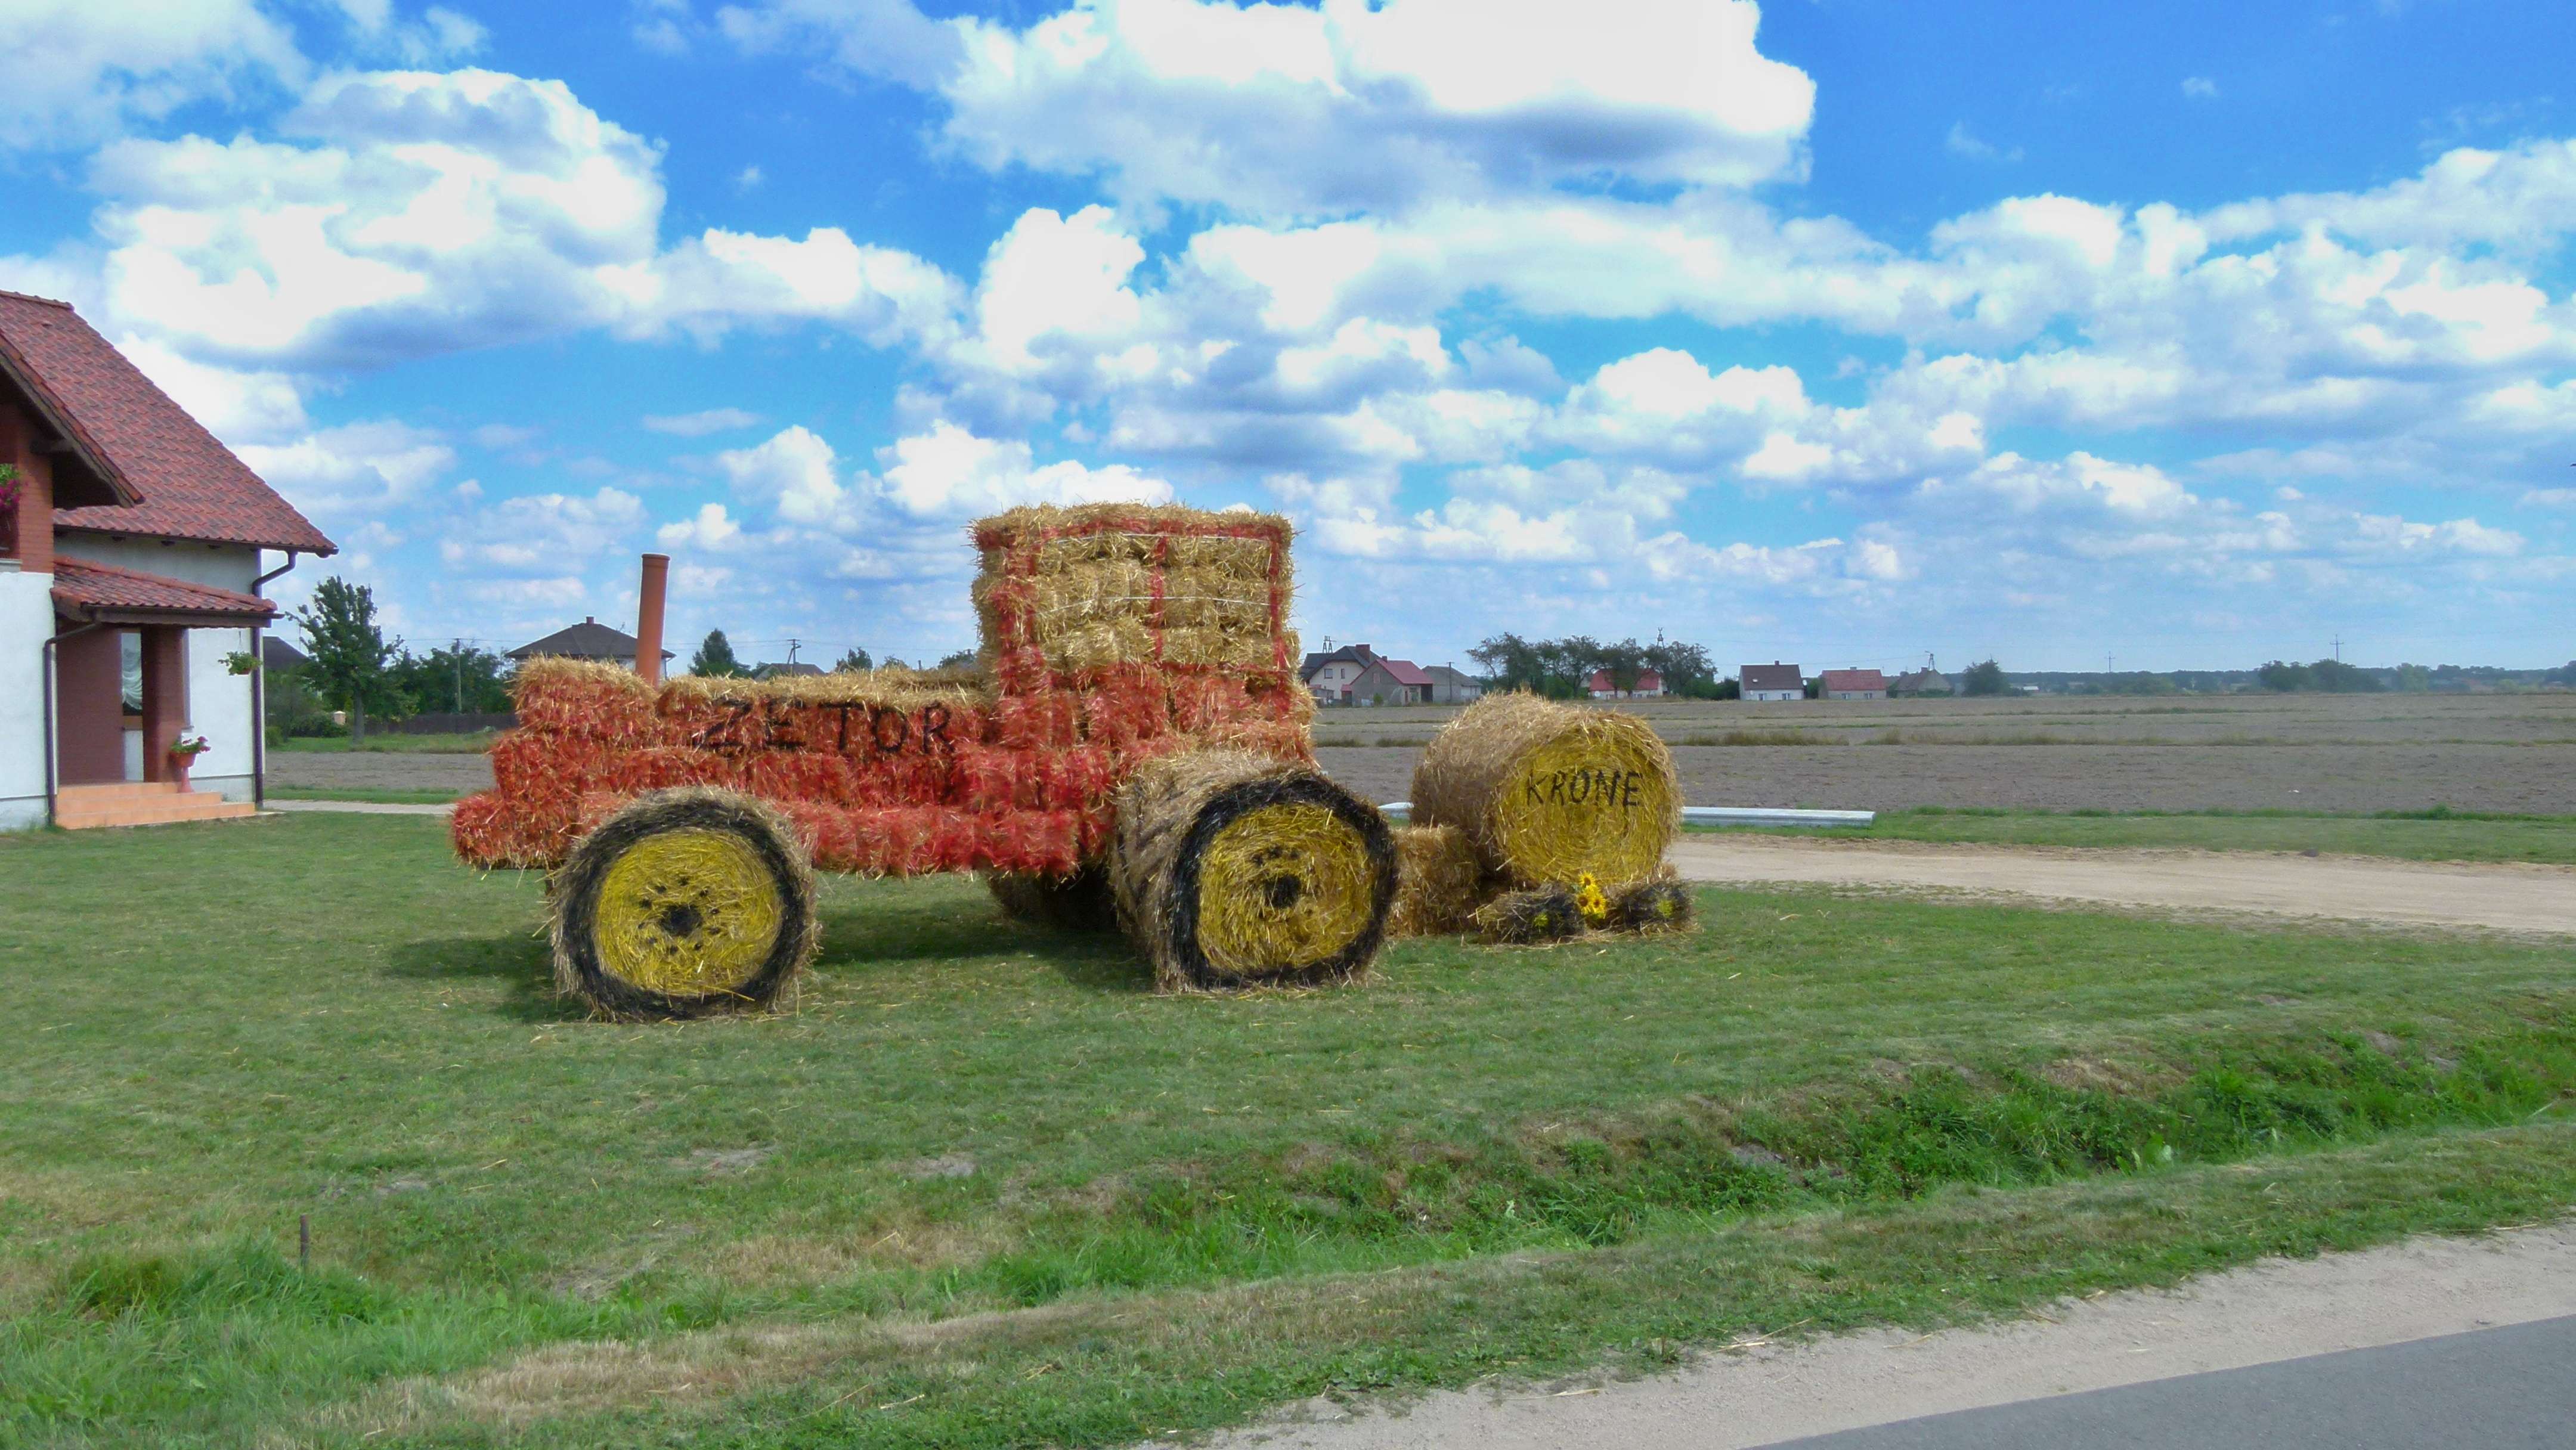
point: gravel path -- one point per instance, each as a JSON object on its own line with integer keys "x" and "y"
{"x": 2504, "y": 897}
{"x": 2264, "y": 1314}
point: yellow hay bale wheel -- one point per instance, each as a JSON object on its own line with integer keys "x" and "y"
{"x": 1235, "y": 871}
{"x": 682, "y": 904}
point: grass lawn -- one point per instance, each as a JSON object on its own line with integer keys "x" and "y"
{"x": 375, "y": 795}
{"x": 2413, "y": 836}
{"x": 386, "y": 743}
{"x": 981, "y": 1189}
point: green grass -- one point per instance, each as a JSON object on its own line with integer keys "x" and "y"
{"x": 1129, "y": 1214}
{"x": 2435, "y": 835}
{"x": 373, "y": 795}
{"x": 390, "y": 744}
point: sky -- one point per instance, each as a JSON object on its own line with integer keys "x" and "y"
{"x": 1853, "y": 332}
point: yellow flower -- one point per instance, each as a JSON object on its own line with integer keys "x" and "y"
{"x": 1591, "y": 900}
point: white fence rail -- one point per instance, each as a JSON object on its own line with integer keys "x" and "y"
{"x": 1723, "y": 816}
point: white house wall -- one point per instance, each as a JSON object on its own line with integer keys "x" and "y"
{"x": 26, "y": 622}
{"x": 219, "y": 701}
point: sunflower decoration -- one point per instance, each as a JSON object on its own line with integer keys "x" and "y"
{"x": 1590, "y": 901}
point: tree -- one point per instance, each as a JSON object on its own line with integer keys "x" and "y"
{"x": 1510, "y": 663}
{"x": 460, "y": 677}
{"x": 349, "y": 653}
{"x": 715, "y": 658}
{"x": 1686, "y": 668}
{"x": 962, "y": 659}
{"x": 1624, "y": 664}
{"x": 2284, "y": 677}
{"x": 1984, "y": 678}
{"x": 2337, "y": 678}
{"x": 853, "y": 661}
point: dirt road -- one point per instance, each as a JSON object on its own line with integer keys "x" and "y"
{"x": 2504, "y": 897}
{"x": 1762, "y": 1394}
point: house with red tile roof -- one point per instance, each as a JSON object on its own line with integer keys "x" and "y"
{"x": 1649, "y": 686}
{"x": 1853, "y": 685}
{"x": 131, "y": 545}
{"x": 1390, "y": 682}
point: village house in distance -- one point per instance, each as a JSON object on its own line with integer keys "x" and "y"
{"x": 1357, "y": 675}
{"x": 1774, "y": 681}
{"x": 130, "y": 580}
{"x": 1852, "y": 685}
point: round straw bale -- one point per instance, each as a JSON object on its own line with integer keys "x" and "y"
{"x": 1439, "y": 883}
{"x": 683, "y": 903}
{"x": 1235, "y": 870}
{"x": 1079, "y": 902}
{"x": 1546, "y": 792}
{"x": 1527, "y": 918}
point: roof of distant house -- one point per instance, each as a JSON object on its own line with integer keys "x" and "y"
{"x": 1358, "y": 654}
{"x": 1773, "y": 676}
{"x": 1447, "y": 675}
{"x": 277, "y": 654}
{"x": 800, "y": 669}
{"x": 106, "y": 594}
{"x": 1646, "y": 680}
{"x": 134, "y": 461}
{"x": 588, "y": 640}
{"x": 1405, "y": 672}
{"x": 1853, "y": 680}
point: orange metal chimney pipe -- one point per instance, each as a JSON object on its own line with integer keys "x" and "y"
{"x": 648, "y": 618}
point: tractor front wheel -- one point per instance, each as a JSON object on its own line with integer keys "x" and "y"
{"x": 1232, "y": 871}
{"x": 683, "y": 904}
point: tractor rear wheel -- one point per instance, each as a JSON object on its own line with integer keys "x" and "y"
{"x": 683, "y": 904}
{"x": 1233, "y": 870}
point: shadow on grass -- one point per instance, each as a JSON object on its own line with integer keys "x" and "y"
{"x": 883, "y": 931}
{"x": 518, "y": 961}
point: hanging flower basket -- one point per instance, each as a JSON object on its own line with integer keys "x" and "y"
{"x": 12, "y": 488}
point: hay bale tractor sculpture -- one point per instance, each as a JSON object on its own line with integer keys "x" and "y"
{"x": 1131, "y": 749}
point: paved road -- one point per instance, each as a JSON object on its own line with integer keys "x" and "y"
{"x": 2507, "y": 897}
{"x": 2495, "y": 1389}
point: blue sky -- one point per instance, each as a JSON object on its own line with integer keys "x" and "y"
{"x": 1847, "y": 331}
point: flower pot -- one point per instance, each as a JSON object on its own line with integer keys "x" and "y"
{"x": 179, "y": 770}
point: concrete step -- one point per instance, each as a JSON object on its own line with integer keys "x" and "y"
{"x": 147, "y": 810}
{"x": 117, "y": 790}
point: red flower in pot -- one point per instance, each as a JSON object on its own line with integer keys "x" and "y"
{"x": 183, "y": 753}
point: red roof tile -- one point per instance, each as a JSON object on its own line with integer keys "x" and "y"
{"x": 1853, "y": 680}
{"x": 1406, "y": 672}
{"x": 85, "y": 588}
{"x": 185, "y": 484}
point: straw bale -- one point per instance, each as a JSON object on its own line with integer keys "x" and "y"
{"x": 1099, "y": 587}
{"x": 682, "y": 904}
{"x": 1527, "y": 918}
{"x": 1660, "y": 904}
{"x": 1233, "y": 870}
{"x": 1547, "y": 792}
{"x": 1439, "y": 883}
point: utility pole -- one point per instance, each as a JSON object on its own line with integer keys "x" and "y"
{"x": 2338, "y": 649}
{"x": 791, "y": 656}
{"x": 456, "y": 654}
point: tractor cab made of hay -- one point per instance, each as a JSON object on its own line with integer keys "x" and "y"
{"x": 1133, "y": 747}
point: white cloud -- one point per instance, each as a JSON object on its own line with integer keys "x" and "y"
{"x": 950, "y": 473}
{"x": 795, "y": 472}
{"x": 2199, "y": 88}
{"x": 1281, "y": 109}
{"x": 700, "y": 424}
{"x": 420, "y": 213}
{"x": 536, "y": 534}
{"x": 79, "y": 70}
{"x": 352, "y": 470}
{"x": 1964, "y": 143}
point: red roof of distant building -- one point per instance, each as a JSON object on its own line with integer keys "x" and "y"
{"x": 180, "y": 482}
{"x": 1853, "y": 680}
{"x": 1406, "y": 672}
{"x": 1646, "y": 680}
{"x": 86, "y": 589}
